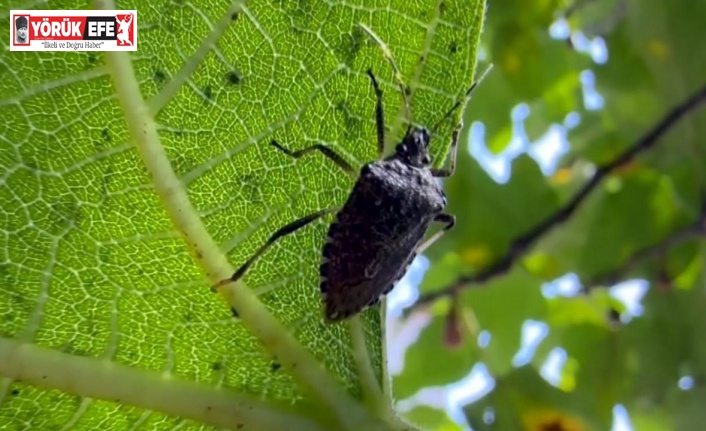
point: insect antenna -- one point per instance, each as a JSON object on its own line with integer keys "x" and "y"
{"x": 465, "y": 97}
{"x": 398, "y": 75}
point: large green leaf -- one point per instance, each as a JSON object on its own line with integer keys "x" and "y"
{"x": 91, "y": 263}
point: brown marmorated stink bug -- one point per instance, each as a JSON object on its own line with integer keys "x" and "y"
{"x": 380, "y": 229}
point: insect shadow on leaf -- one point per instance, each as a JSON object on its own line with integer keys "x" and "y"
{"x": 380, "y": 229}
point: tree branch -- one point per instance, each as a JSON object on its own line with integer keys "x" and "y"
{"x": 525, "y": 241}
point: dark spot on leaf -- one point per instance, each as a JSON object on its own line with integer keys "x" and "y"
{"x": 188, "y": 317}
{"x": 92, "y": 58}
{"x": 296, "y": 30}
{"x": 105, "y": 135}
{"x": 453, "y": 48}
{"x": 442, "y": 7}
{"x": 208, "y": 93}
{"x": 7, "y": 279}
{"x": 240, "y": 426}
{"x": 234, "y": 16}
{"x": 350, "y": 45}
{"x": 107, "y": 179}
{"x": 209, "y": 408}
{"x": 216, "y": 366}
{"x": 105, "y": 255}
{"x": 275, "y": 366}
{"x": 352, "y": 124}
{"x": 15, "y": 392}
{"x": 44, "y": 377}
{"x": 64, "y": 212}
{"x": 183, "y": 163}
{"x": 234, "y": 312}
{"x": 233, "y": 77}
{"x": 159, "y": 77}
{"x": 199, "y": 255}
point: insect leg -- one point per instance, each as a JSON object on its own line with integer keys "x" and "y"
{"x": 283, "y": 231}
{"x": 379, "y": 114}
{"x": 447, "y": 172}
{"x": 441, "y": 218}
{"x": 326, "y": 151}
{"x": 398, "y": 75}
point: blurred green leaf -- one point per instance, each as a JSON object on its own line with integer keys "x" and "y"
{"x": 447, "y": 365}
{"x": 654, "y": 62}
{"x": 501, "y": 307}
{"x": 596, "y": 17}
{"x": 523, "y": 400}
{"x": 628, "y": 212}
{"x": 491, "y": 215}
{"x": 491, "y": 105}
{"x": 667, "y": 342}
{"x": 558, "y": 99}
{"x": 531, "y": 68}
{"x": 524, "y": 53}
{"x": 430, "y": 418}
{"x": 689, "y": 409}
{"x": 597, "y": 365}
{"x": 651, "y": 69}
{"x": 589, "y": 309}
{"x": 651, "y": 420}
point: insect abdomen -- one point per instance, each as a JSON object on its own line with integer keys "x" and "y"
{"x": 371, "y": 242}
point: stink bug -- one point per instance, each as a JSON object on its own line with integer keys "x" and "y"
{"x": 380, "y": 229}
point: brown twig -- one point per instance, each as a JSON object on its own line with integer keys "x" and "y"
{"x": 525, "y": 241}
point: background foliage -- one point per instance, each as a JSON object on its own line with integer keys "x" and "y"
{"x": 589, "y": 77}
